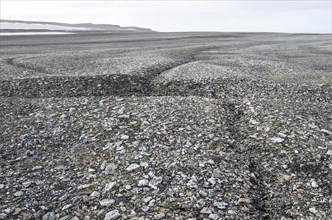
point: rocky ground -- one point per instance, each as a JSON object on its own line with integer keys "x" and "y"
{"x": 166, "y": 126}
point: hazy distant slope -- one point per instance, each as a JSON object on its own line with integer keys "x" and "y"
{"x": 22, "y": 26}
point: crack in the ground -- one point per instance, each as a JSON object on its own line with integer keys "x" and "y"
{"x": 258, "y": 189}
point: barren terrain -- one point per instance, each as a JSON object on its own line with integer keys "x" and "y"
{"x": 166, "y": 126}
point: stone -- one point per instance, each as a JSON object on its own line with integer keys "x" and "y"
{"x": 314, "y": 184}
{"x": 2, "y": 186}
{"x": 84, "y": 186}
{"x": 109, "y": 186}
{"x": 18, "y": 193}
{"x": 326, "y": 131}
{"x": 27, "y": 184}
{"x": 206, "y": 210}
{"x": 112, "y": 215}
{"x": 94, "y": 195}
{"x": 313, "y": 210}
{"x": 202, "y": 193}
{"x": 213, "y": 216}
{"x": 220, "y": 205}
{"x": 155, "y": 182}
{"x": 124, "y": 137}
{"x": 285, "y": 179}
{"x": 244, "y": 201}
{"x": 49, "y": 216}
{"x": 282, "y": 135}
{"x": 254, "y": 122}
{"x": 143, "y": 182}
{"x": 212, "y": 181}
{"x": 132, "y": 167}
{"x": 159, "y": 216}
{"x": 110, "y": 168}
{"x": 66, "y": 207}
{"x": 277, "y": 140}
{"x": 106, "y": 202}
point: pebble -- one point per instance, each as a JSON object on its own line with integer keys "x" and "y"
{"x": 109, "y": 186}
{"x": 277, "y": 140}
{"x": 49, "y": 216}
{"x": 282, "y": 135}
{"x": 313, "y": 210}
{"x": 66, "y": 207}
{"x": 213, "y": 216}
{"x": 206, "y": 210}
{"x": 314, "y": 184}
{"x": 94, "y": 195}
{"x": 18, "y": 193}
{"x": 106, "y": 202}
{"x": 110, "y": 168}
{"x": 84, "y": 186}
{"x": 132, "y": 167}
{"x": 143, "y": 182}
{"x": 244, "y": 201}
{"x": 202, "y": 193}
{"x": 159, "y": 216}
{"x": 27, "y": 184}
{"x": 220, "y": 205}
{"x": 155, "y": 182}
{"x": 112, "y": 215}
{"x": 2, "y": 186}
{"x": 285, "y": 178}
{"x": 124, "y": 137}
{"x": 326, "y": 131}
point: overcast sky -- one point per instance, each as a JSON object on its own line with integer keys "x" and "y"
{"x": 268, "y": 15}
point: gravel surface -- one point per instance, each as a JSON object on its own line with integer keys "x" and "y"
{"x": 166, "y": 126}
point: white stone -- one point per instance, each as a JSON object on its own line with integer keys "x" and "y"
{"x": 94, "y": 195}
{"x": 155, "y": 182}
{"x": 314, "y": 184}
{"x": 27, "y": 184}
{"x": 124, "y": 137}
{"x": 143, "y": 182}
{"x": 112, "y": 215}
{"x": 110, "y": 168}
{"x": 84, "y": 186}
{"x": 66, "y": 207}
{"x": 277, "y": 140}
{"x": 326, "y": 131}
{"x": 18, "y": 193}
{"x": 214, "y": 216}
{"x": 107, "y": 202}
{"x": 212, "y": 181}
{"x": 313, "y": 210}
{"x": 254, "y": 122}
{"x": 220, "y": 205}
{"x": 282, "y": 135}
{"x": 49, "y": 216}
{"x": 159, "y": 216}
{"x": 132, "y": 167}
{"x": 109, "y": 186}
{"x": 206, "y": 211}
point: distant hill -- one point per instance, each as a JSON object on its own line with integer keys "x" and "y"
{"x": 12, "y": 26}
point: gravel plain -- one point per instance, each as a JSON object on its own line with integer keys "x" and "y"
{"x": 166, "y": 126}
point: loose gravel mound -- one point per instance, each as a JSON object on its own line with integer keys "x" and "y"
{"x": 180, "y": 126}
